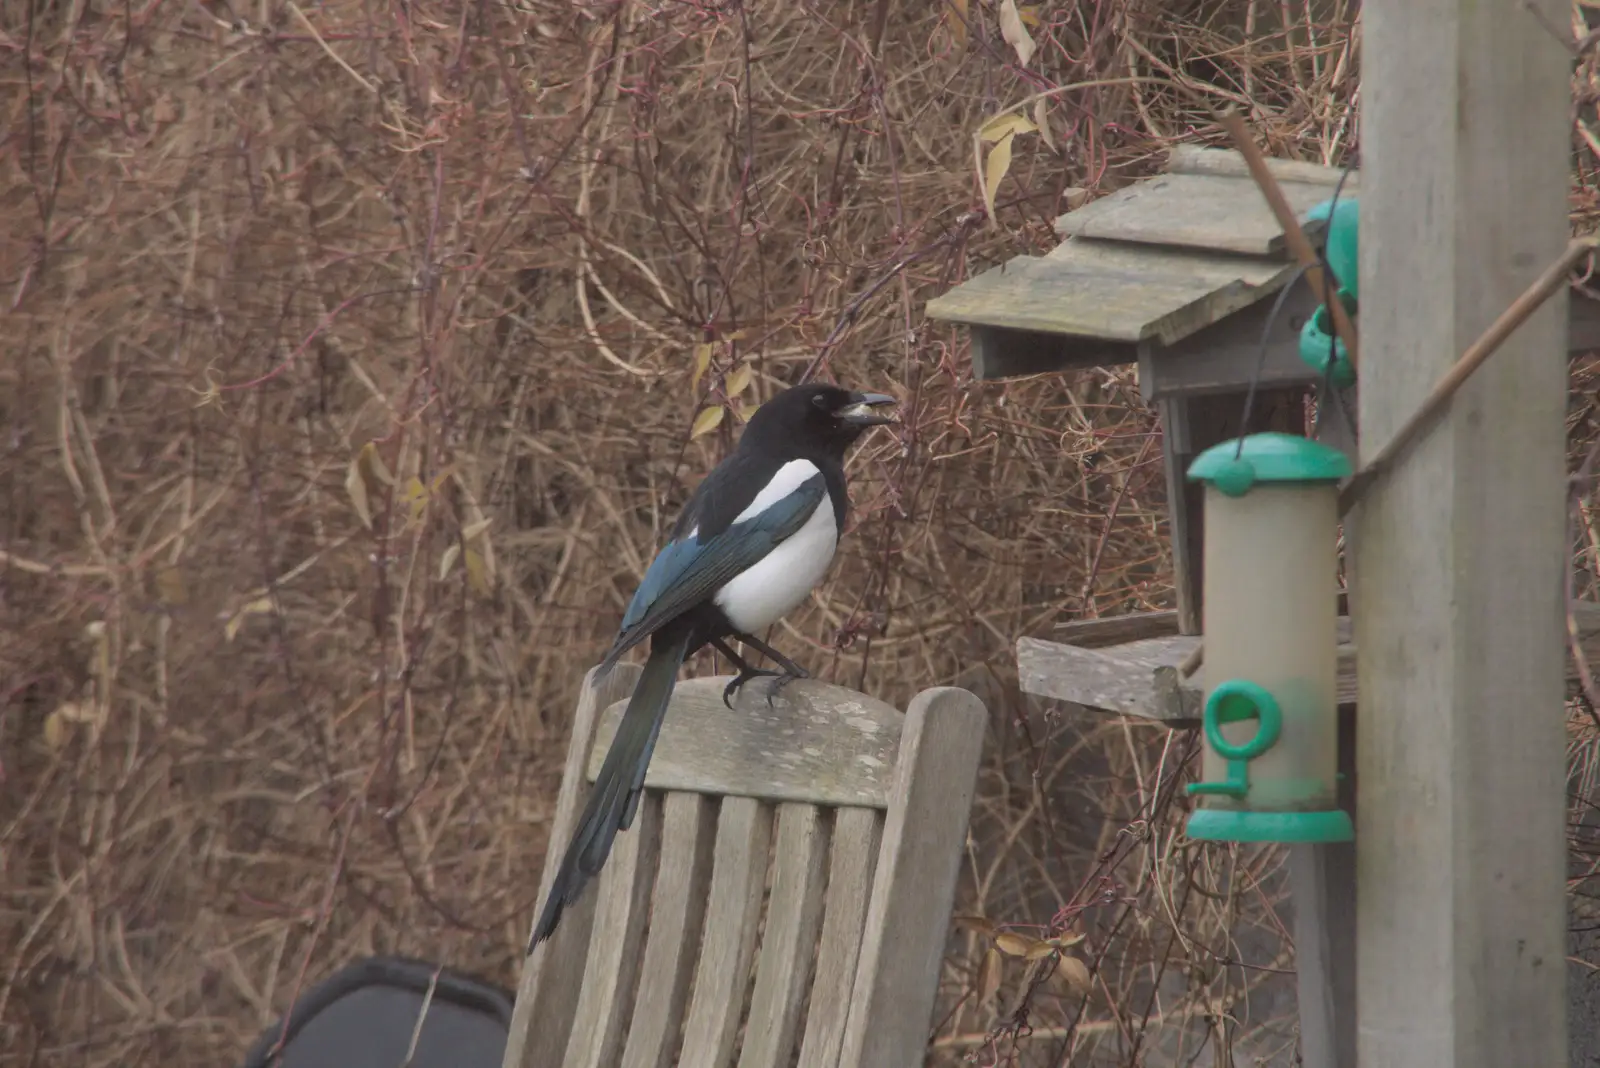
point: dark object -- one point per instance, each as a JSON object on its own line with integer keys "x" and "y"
{"x": 364, "y": 1016}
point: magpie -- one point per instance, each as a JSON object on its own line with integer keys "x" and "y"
{"x": 753, "y": 540}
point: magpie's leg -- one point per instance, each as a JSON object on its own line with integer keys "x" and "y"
{"x": 746, "y": 672}
{"x": 791, "y": 670}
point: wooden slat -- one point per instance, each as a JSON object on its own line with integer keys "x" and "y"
{"x": 722, "y": 975}
{"x": 1108, "y": 680}
{"x": 1322, "y": 875}
{"x": 611, "y": 975}
{"x": 817, "y": 743}
{"x": 998, "y": 352}
{"x": 852, "y": 861}
{"x": 1227, "y": 355}
{"x": 1583, "y": 323}
{"x": 908, "y": 918}
{"x": 1221, "y": 357}
{"x": 677, "y": 917}
{"x": 1183, "y": 518}
{"x": 1201, "y": 211}
{"x": 794, "y": 913}
{"x": 1123, "y": 678}
{"x": 1112, "y": 291}
{"x": 547, "y": 993}
{"x": 1228, "y": 163}
{"x": 1114, "y": 630}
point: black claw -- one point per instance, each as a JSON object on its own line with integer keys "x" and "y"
{"x": 782, "y": 679}
{"x": 731, "y": 690}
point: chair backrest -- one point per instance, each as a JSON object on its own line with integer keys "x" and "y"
{"x": 783, "y": 896}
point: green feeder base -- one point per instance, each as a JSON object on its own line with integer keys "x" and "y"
{"x": 1234, "y": 825}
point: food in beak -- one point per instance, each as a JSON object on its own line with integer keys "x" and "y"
{"x": 863, "y": 412}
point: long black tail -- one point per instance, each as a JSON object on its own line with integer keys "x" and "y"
{"x": 617, "y": 789}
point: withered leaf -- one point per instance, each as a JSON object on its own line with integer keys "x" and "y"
{"x": 1071, "y": 976}
{"x": 1039, "y": 951}
{"x": 989, "y": 978}
{"x": 976, "y": 924}
{"x": 1012, "y": 944}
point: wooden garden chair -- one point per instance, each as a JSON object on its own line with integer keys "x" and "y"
{"x": 685, "y": 952}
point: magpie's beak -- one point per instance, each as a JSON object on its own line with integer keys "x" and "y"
{"x": 860, "y": 410}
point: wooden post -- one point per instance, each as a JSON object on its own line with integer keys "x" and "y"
{"x": 1322, "y": 877}
{"x": 1461, "y": 848}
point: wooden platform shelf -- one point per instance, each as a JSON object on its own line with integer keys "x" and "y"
{"x": 1128, "y": 665}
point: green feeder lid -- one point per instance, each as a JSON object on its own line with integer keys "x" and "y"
{"x": 1341, "y": 245}
{"x": 1268, "y": 457}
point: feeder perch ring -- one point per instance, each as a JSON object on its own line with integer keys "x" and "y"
{"x": 1236, "y": 700}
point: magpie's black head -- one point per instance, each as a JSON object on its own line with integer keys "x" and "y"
{"x": 816, "y": 416}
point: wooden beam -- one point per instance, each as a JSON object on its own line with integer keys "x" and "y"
{"x": 1460, "y": 861}
{"x": 1213, "y": 213}
{"x": 1000, "y": 352}
{"x": 1114, "y": 630}
{"x": 1229, "y": 163}
{"x": 1224, "y": 357}
{"x": 1220, "y": 358}
{"x": 1084, "y": 666}
{"x": 1322, "y": 875}
{"x": 1107, "y": 680}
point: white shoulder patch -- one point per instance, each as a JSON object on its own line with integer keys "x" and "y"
{"x": 775, "y": 585}
{"x": 788, "y": 478}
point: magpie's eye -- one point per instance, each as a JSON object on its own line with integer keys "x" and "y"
{"x": 820, "y": 401}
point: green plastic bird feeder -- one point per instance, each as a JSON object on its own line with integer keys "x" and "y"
{"x": 1270, "y": 767}
{"x": 1318, "y": 346}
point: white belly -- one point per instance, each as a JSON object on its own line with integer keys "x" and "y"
{"x": 773, "y": 588}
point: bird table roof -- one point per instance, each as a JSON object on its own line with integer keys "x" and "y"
{"x": 1154, "y": 262}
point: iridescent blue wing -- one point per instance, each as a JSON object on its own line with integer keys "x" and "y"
{"x": 687, "y": 571}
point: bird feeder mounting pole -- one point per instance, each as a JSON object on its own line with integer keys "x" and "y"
{"x": 1460, "y": 549}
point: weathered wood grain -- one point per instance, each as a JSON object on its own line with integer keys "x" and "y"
{"x": 1112, "y": 291}
{"x": 1217, "y": 358}
{"x": 817, "y": 743}
{"x": 852, "y": 862}
{"x": 1466, "y": 145}
{"x": 1121, "y": 678}
{"x": 1000, "y": 352}
{"x": 783, "y": 971}
{"x": 1228, "y": 163}
{"x": 547, "y": 993}
{"x": 677, "y": 918}
{"x": 722, "y": 975}
{"x": 909, "y": 914}
{"x": 1225, "y": 356}
{"x": 1322, "y": 875}
{"x": 611, "y": 974}
{"x": 1101, "y": 679}
{"x": 1115, "y": 630}
{"x": 1198, "y": 211}
{"x": 677, "y": 912}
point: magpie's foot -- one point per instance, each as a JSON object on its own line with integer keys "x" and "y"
{"x": 729, "y": 691}
{"x": 784, "y": 678}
